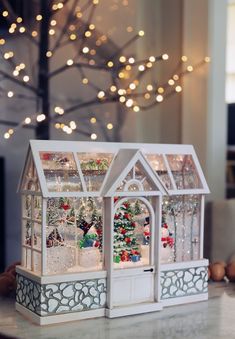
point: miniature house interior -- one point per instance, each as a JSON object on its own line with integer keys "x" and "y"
{"x": 110, "y": 229}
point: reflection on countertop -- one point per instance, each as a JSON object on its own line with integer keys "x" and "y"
{"x": 210, "y": 319}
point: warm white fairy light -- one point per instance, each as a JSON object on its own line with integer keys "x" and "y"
{"x": 22, "y": 29}
{"x": 159, "y": 98}
{"x": 136, "y": 108}
{"x": 184, "y": 58}
{"x": 73, "y": 37}
{"x": 67, "y": 129}
{"x": 53, "y": 22}
{"x": 147, "y": 96}
{"x": 178, "y": 89}
{"x": 165, "y": 56}
{"x": 87, "y": 34}
{"x": 131, "y": 60}
{"x": 26, "y": 78}
{"x": 69, "y": 62}
{"x": 141, "y": 33}
{"x": 6, "y": 135}
{"x": 190, "y": 68}
{"x": 160, "y": 90}
{"x": 8, "y": 55}
{"x": 109, "y": 126}
{"x": 85, "y": 50}
{"x": 85, "y": 81}
{"x": 73, "y": 125}
{"x": 41, "y": 117}
{"x": 15, "y": 73}
{"x": 171, "y": 82}
{"x": 93, "y": 136}
{"x": 57, "y": 125}
{"x": 122, "y": 99}
{"x": 101, "y": 94}
{"x": 122, "y": 59}
{"x": 121, "y": 91}
{"x": 93, "y": 120}
{"x": 10, "y": 94}
{"x": 110, "y": 64}
{"x": 91, "y": 27}
{"x": 51, "y": 31}
{"x": 141, "y": 68}
{"x": 129, "y": 103}
{"x": 2, "y": 41}
{"x": 149, "y": 87}
{"x": 59, "y": 110}
{"x": 175, "y": 77}
{"x": 49, "y": 54}
{"x": 27, "y": 120}
{"x": 207, "y": 59}
{"x": 149, "y": 64}
{"x": 19, "y": 19}
{"x": 34, "y": 34}
{"x": 152, "y": 58}
{"x": 113, "y": 88}
{"x": 39, "y": 17}
{"x": 132, "y": 86}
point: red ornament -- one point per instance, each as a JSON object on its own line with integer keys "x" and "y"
{"x": 165, "y": 225}
{"x": 98, "y": 161}
{"x": 46, "y": 156}
{"x": 115, "y": 199}
{"x": 133, "y": 224}
{"x": 127, "y": 240}
{"x": 116, "y": 216}
{"x": 126, "y": 204}
{"x": 65, "y": 207}
{"x": 123, "y": 231}
{"x": 127, "y": 216}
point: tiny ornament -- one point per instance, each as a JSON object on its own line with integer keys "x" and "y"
{"x": 230, "y": 271}
{"x": 217, "y": 272}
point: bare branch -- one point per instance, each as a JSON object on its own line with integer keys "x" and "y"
{"x": 19, "y": 82}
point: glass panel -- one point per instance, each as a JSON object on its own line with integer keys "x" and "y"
{"x": 28, "y": 259}
{"x": 180, "y": 228}
{"x": 31, "y": 182}
{"x": 37, "y": 213}
{"x": 94, "y": 167}
{"x": 157, "y": 163}
{"x": 184, "y": 171}
{"x": 74, "y": 234}
{"x": 131, "y": 241}
{"x": 37, "y": 262}
{"x": 60, "y": 172}
{"x": 27, "y": 206}
{"x": 37, "y": 236}
{"x": 27, "y": 231}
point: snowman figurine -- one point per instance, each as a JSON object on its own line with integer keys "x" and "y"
{"x": 167, "y": 243}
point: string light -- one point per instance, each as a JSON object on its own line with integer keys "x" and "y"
{"x": 41, "y": 117}
{"x": 49, "y": 54}
{"x": 160, "y": 90}
{"x": 5, "y": 14}
{"x": 93, "y": 120}
{"x": 141, "y": 33}
{"x": 39, "y": 17}
{"x": 152, "y": 59}
{"x": 69, "y": 62}
{"x": 113, "y": 88}
{"x": 207, "y": 59}
{"x": 122, "y": 99}
{"x": 159, "y": 98}
{"x": 129, "y": 103}
{"x": 72, "y": 125}
{"x": 26, "y": 78}
{"x": 74, "y": 37}
{"x": 59, "y": 110}
{"x": 131, "y": 60}
{"x": 132, "y": 86}
{"x": 110, "y": 64}
{"x": 19, "y": 19}
{"x": 141, "y": 68}
{"x": 171, "y": 82}
{"x": 34, "y": 34}
{"x": 165, "y": 56}
{"x": 91, "y": 27}
{"x": 184, "y": 58}
{"x": 2, "y": 41}
{"x": 101, "y": 94}
{"x": 51, "y": 31}
{"x": 121, "y": 91}
{"x": 53, "y": 22}
{"x": 7, "y": 135}
{"x": 178, "y": 89}
{"x": 175, "y": 77}
{"x": 93, "y": 136}
{"x": 87, "y": 34}
{"x": 85, "y": 50}
{"x": 190, "y": 68}
{"x": 149, "y": 87}
{"x": 10, "y": 94}
{"x": 57, "y": 125}
{"x": 85, "y": 81}
{"x": 22, "y": 29}
{"x": 27, "y": 120}
{"x": 109, "y": 126}
{"x": 136, "y": 108}
{"x": 122, "y": 58}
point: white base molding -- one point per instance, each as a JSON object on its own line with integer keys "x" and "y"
{"x": 59, "y": 318}
{"x": 133, "y": 309}
{"x": 184, "y": 300}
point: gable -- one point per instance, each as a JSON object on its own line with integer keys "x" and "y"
{"x": 130, "y": 172}
{"x": 30, "y": 180}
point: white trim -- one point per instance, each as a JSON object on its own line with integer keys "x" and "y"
{"x": 59, "y": 318}
{"x": 169, "y": 173}
{"x": 68, "y": 277}
{"x": 193, "y": 191}
{"x": 23, "y": 172}
{"x": 184, "y": 265}
{"x": 133, "y": 309}
{"x": 43, "y": 238}
{"x": 77, "y": 162}
{"x": 201, "y": 229}
{"x": 184, "y": 300}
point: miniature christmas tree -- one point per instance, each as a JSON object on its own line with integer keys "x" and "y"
{"x": 137, "y": 208}
{"x": 125, "y": 245}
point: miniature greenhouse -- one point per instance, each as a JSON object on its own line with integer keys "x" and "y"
{"x": 110, "y": 229}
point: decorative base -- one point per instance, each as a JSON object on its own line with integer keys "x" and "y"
{"x": 133, "y": 309}
{"x": 185, "y": 300}
{"x": 59, "y": 318}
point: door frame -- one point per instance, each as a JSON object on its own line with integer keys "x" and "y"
{"x": 109, "y": 211}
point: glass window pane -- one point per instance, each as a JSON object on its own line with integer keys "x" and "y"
{"x": 37, "y": 235}
{"x": 28, "y": 259}
{"x": 27, "y": 232}
{"x": 27, "y": 206}
{"x": 94, "y": 167}
{"x": 184, "y": 171}
{"x": 74, "y": 235}
{"x": 31, "y": 182}
{"x": 158, "y": 165}
{"x": 37, "y": 210}
{"x": 131, "y": 242}
{"x": 180, "y": 228}
{"x": 37, "y": 262}
{"x": 60, "y": 172}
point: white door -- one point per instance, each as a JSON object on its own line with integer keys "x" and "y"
{"x": 133, "y": 260}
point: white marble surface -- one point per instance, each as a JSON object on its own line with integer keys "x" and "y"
{"x": 211, "y": 319}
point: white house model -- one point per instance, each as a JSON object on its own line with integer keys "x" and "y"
{"x": 110, "y": 229}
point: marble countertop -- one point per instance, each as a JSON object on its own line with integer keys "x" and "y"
{"x": 214, "y": 318}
